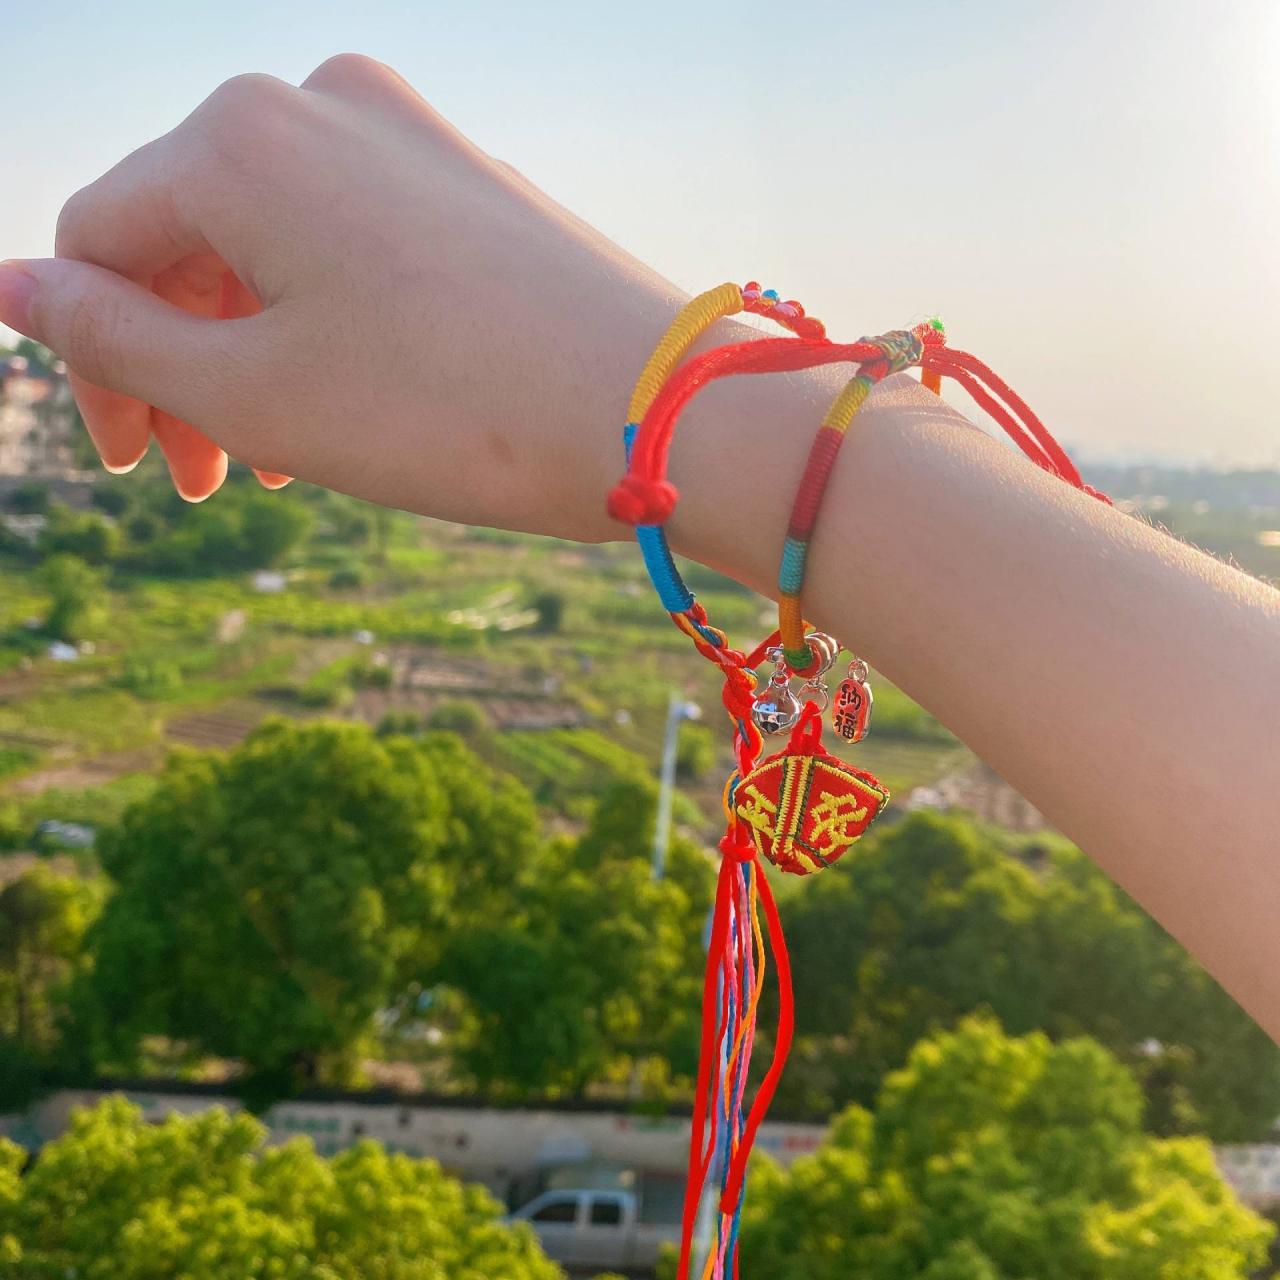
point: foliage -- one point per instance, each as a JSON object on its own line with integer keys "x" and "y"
{"x": 598, "y": 967}
{"x": 113, "y": 498}
{"x": 549, "y": 606}
{"x": 79, "y": 533}
{"x": 269, "y": 903}
{"x": 935, "y": 918}
{"x": 77, "y": 593}
{"x": 28, "y": 499}
{"x": 95, "y": 806}
{"x": 15, "y": 760}
{"x": 995, "y": 1158}
{"x": 246, "y": 528}
{"x": 43, "y": 919}
{"x": 560, "y": 765}
{"x": 200, "y": 1197}
{"x": 460, "y": 716}
{"x": 695, "y": 752}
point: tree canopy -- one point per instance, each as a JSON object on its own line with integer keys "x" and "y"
{"x": 114, "y": 1198}
{"x": 43, "y": 918}
{"x": 935, "y": 918}
{"x": 268, "y": 903}
{"x": 596, "y": 971}
{"x": 989, "y": 1157}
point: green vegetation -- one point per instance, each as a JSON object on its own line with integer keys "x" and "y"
{"x": 201, "y": 1197}
{"x": 935, "y": 919}
{"x": 992, "y": 1158}
{"x": 43, "y": 919}
{"x": 594, "y": 970}
{"x": 269, "y": 903}
{"x": 75, "y": 590}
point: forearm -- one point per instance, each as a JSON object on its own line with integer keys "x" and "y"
{"x": 1127, "y": 684}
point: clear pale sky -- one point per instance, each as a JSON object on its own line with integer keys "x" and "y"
{"x": 1087, "y": 192}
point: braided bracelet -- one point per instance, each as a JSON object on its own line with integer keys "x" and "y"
{"x": 800, "y": 807}
{"x": 925, "y": 345}
{"x": 633, "y": 500}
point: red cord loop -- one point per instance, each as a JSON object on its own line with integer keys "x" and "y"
{"x": 638, "y": 500}
{"x": 738, "y": 846}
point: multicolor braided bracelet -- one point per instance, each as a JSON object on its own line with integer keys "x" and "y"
{"x": 800, "y": 807}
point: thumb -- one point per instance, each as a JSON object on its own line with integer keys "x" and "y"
{"x": 118, "y": 335}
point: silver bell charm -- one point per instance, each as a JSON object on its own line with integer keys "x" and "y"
{"x": 776, "y": 709}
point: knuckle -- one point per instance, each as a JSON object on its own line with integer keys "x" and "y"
{"x": 249, "y": 91}
{"x": 242, "y": 120}
{"x": 350, "y": 70}
{"x": 239, "y": 105}
{"x": 72, "y": 218}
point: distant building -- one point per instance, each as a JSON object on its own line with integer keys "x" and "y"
{"x": 37, "y": 420}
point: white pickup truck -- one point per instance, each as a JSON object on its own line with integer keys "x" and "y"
{"x": 591, "y": 1231}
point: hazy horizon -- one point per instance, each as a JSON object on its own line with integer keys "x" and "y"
{"x": 1088, "y": 194}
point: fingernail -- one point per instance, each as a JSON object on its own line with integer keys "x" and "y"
{"x": 17, "y": 288}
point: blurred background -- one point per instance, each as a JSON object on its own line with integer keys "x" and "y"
{"x": 327, "y": 833}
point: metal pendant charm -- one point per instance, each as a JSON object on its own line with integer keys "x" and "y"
{"x": 776, "y": 709}
{"x": 852, "y": 714}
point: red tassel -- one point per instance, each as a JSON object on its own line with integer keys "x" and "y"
{"x": 698, "y": 1161}
{"x": 781, "y": 1048}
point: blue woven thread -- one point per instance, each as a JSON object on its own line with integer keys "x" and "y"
{"x": 666, "y": 579}
{"x": 664, "y": 575}
{"x": 791, "y": 573}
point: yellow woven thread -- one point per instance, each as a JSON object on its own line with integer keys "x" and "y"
{"x": 846, "y": 405}
{"x": 693, "y": 319}
{"x": 790, "y": 623}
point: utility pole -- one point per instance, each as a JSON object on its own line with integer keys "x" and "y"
{"x": 678, "y": 710}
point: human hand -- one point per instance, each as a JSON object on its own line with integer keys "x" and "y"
{"x": 331, "y": 282}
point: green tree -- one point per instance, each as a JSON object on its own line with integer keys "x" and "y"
{"x": 77, "y": 594}
{"x": 201, "y": 1197}
{"x": 43, "y": 918}
{"x": 114, "y": 499}
{"x": 996, "y": 1158}
{"x": 935, "y": 918}
{"x": 31, "y": 498}
{"x": 269, "y": 903}
{"x": 596, "y": 971}
{"x": 80, "y": 533}
{"x": 549, "y": 606}
{"x": 695, "y": 752}
{"x": 460, "y": 716}
{"x": 271, "y": 526}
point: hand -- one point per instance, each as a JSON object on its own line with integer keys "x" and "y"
{"x": 331, "y": 282}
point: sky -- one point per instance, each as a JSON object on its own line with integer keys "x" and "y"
{"x": 1087, "y": 192}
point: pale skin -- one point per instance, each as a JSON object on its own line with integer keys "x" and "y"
{"x": 437, "y": 334}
